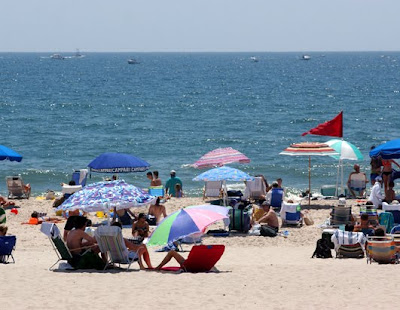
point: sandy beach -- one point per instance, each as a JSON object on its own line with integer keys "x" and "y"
{"x": 254, "y": 273}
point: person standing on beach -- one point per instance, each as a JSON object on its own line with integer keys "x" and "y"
{"x": 376, "y": 195}
{"x": 149, "y": 175}
{"x": 387, "y": 172}
{"x": 376, "y": 164}
{"x": 171, "y": 182}
{"x": 156, "y": 179}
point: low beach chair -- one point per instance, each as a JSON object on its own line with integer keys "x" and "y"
{"x": 291, "y": 214}
{"x": 358, "y": 184}
{"x": 255, "y": 189}
{"x": 212, "y": 189}
{"x": 156, "y": 191}
{"x": 7, "y": 246}
{"x": 80, "y": 177}
{"x": 111, "y": 242}
{"x": 386, "y": 219}
{"x": 68, "y": 190}
{"x": 348, "y": 244}
{"x": 381, "y": 250}
{"x": 202, "y": 258}
{"x": 341, "y": 215}
{"x": 17, "y": 188}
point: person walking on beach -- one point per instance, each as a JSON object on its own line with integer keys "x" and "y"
{"x": 171, "y": 182}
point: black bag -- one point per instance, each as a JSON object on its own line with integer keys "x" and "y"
{"x": 267, "y": 231}
{"x": 239, "y": 220}
{"x": 151, "y": 220}
{"x": 322, "y": 250}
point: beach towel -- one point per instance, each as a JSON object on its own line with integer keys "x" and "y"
{"x": 340, "y": 237}
{"x": 386, "y": 219}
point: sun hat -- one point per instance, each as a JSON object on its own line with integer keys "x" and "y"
{"x": 378, "y": 178}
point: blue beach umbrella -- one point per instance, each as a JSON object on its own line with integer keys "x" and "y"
{"x": 118, "y": 163}
{"x": 224, "y": 174}
{"x": 388, "y": 150}
{"x": 7, "y": 153}
{"x": 102, "y": 195}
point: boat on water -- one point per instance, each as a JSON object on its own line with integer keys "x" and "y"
{"x": 254, "y": 59}
{"x": 57, "y": 56}
{"x": 133, "y": 61}
{"x": 78, "y": 54}
{"x": 306, "y": 57}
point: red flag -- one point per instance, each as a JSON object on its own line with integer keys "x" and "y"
{"x": 332, "y": 128}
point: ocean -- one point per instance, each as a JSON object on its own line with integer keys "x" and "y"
{"x": 172, "y": 108}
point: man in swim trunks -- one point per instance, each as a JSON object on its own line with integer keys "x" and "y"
{"x": 270, "y": 218}
{"x": 156, "y": 179}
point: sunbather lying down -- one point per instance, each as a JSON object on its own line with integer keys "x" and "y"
{"x": 36, "y": 219}
{"x": 4, "y": 202}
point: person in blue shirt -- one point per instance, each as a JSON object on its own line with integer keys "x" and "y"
{"x": 171, "y": 182}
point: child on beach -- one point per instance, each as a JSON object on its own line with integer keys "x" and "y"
{"x": 178, "y": 191}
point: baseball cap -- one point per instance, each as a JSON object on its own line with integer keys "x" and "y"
{"x": 172, "y": 171}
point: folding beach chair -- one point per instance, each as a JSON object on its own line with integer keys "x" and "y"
{"x": 276, "y": 198}
{"x": 80, "y": 177}
{"x": 255, "y": 189}
{"x": 111, "y": 242}
{"x": 291, "y": 214}
{"x": 202, "y": 258}
{"x": 341, "y": 215}
{"x": 381, "y": 250}
{"x": 348, "y": 244}
{"x": 7, "y": 245}
{"x": 156, "y": 191}
{"x": 386, "y": 219}
{"x": 68, "y": 190}
{"x": 358, "y": 184}
{"x": 212, "y": 189}
{"x": 17, "y": 188}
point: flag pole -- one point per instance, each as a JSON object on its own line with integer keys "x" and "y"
{"x": 309, "y": 180}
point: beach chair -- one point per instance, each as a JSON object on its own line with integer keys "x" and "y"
{"x": 386, "y": 219}
{"x": 348, "y": 244}
{"x": 202, "y": 258}
{"x": 381, "y": 250}
{"x": 68, "y": 190}
{"x": 395, "y": 230}
{"x": 341, "y": 215}
{"x": 358, "y": 184}
{"x": 156, "y": 191}
{"x": 291, "y": 214}
{"x": 276, "y": 198}
{"x": 111, "y": 242}
{"x": 7, "y": 245}
{"x": 80, "y": 177}
{"x": 53, "y": 233}
{"x": 17, "y": 188}
{"x": 255, "y": 189}
{"x": 212, "y": 189}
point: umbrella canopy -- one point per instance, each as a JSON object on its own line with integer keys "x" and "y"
{"x": 224, "y": 174}
{"x": 102, "y": 195}
{"x": 388, "y": 150}
{"x": 345, "y": 149}
{"x": 309, "y": 149}
{"x": 118, "y": 163}
{"x": 220, "y": 157}
{"x": 185, "y": 222}
{"x": 7, "y": 153}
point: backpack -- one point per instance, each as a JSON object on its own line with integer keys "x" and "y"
{"x": 322, "y": 249}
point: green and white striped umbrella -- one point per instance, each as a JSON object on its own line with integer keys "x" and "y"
{"x": 345, "y": 149}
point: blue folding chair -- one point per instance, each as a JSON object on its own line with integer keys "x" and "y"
{"x": 7, "y": 245}
{"x": 276, "y": 198}
{"x": 80, "y": 177}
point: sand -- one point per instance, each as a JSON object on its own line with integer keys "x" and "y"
{"x": 254, "y": 273}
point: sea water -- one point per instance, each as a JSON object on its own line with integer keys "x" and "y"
{"x": 174, "y": 107}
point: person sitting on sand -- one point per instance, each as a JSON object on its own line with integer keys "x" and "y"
{"x": 178, "y": 191}
{"x": 3, "y": 230}
{"x": 356, "y": 174}
{"x": 156, "y": 179}
{"x": 364, "y": 225}
{"x": 157, "y": 211}
{"x": 6, "y": 203}
{"x": 140, "y": 228}
{"x": 269, "y": 218}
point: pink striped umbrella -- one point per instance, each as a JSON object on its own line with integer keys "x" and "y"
{"x": 220, "y": 157}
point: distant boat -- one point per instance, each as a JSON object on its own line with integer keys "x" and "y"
{"x": 78, "y": 54}
{"x": 254, "y": 59}
{"x": 57, "y": 56}
{"x": 133, "y": 61}
{"x": 306, "y": 57}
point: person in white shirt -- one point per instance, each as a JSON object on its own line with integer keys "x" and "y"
{"x": 376, "y": 194}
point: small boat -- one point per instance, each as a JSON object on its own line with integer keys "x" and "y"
{"x": 254, "y": 59}
{"x": 133, "y": 61}
{"x": 78, "y": 54}
{"x": 306, "y": 57}
{"x": 57, "y": 56}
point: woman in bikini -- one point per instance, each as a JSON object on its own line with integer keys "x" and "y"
{"x": 140, "y": 228}
{"x": 387, "y": 172}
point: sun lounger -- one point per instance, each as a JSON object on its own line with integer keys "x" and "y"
{"x": 202, "y": 258}
{"x": 381, "y": 250}
{"x": 291, "y": 214}
{"x": 68, "y": 190}
{"x": 17, "y": 188}
{"x": 7, "y": 245}
{"x": 111, "y": 242}
{"x": 255, "y": 189}
{"x": 213, "y": 189}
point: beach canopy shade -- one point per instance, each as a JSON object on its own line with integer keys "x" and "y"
{"x": 101, "y": 196}
{"x": 224, "y": 173}
{"x": 185, "y": 222}
{"x": 388, "y": 150}
{"x": 220, "y": 157}
{"x": 345, "y": 149}
{"x": 9, "y": 154}
{"x": 309, "y": 149}
{"x": 118, "y": 163}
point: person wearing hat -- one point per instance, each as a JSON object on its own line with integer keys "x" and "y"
{"x": 376, "y": 194}
{"x": 171, "y": 182}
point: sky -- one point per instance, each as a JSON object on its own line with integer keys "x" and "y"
{"x": 199, "y": 25}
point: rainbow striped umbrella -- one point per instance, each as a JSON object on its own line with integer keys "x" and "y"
{"x": 309, "y": 149}
{"x": 220, "y": 157}
{"x": 185, "y": 222}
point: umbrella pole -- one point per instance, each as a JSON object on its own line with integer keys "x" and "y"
{"x": 343, "y": 190}
{"x": 337, "y": 180}
{"x": 309, "y": 180}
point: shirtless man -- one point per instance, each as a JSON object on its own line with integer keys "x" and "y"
{"x": 157, "y": 210}
{"x": 156, "y": 179}
{"x": 355, "y": 172}
{"x": 269, "y": 217}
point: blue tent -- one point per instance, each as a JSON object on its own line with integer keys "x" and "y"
{"x": 388, "y": 150}
{"x": 118, "y": 163}
{"x": 6, "y": 153}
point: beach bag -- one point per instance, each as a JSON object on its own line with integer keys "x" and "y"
{"x": 322, "y": 249}
{"x": 50, "y": 195}
{"x": 308, "y": 219}
{"x": 267, "y": 231}
{"x": 239, "y": 220}
{"x": 151, "y": 219}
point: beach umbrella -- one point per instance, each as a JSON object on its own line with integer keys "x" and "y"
{"x": 101, "y": 196}
{"x": 388, "y": 150}
{"x": 220, "y": 157}
{"x": 224, "y": 173}
{"x": 347, "y": 151}
{"x": 309, "y": 149}
{"x": 186, "y": 222}
{"x": 9, "y": 154}
{"x": 118, "y": 163}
